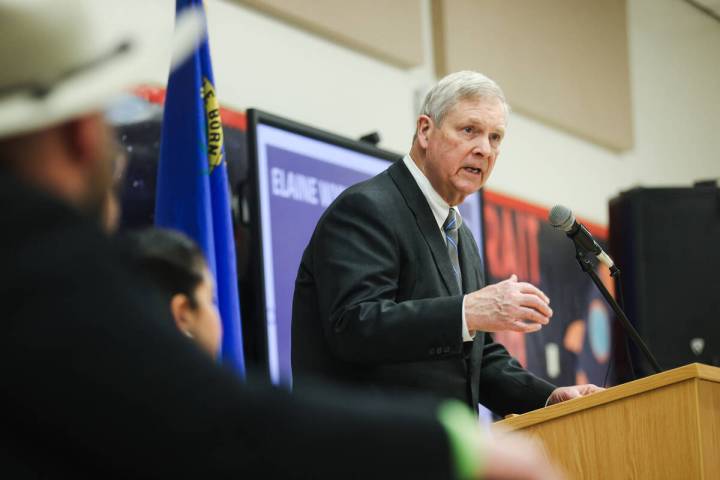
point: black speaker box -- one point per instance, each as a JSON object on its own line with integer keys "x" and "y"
{"x": 666, "y": 241}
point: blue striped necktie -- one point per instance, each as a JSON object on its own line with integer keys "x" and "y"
{"x": 450, "y": 228}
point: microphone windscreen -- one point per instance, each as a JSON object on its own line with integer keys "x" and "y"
{"x": 561, "y": 217}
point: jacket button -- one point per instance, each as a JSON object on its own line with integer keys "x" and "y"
{"x": 432, "y": 351}
{"x": 446, "y": 349}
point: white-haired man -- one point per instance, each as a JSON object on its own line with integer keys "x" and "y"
{"x": 96, "y": 382}
{"x": 390, "y": 292}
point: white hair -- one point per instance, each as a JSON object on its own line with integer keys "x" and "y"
{"x": 459, "y": 86}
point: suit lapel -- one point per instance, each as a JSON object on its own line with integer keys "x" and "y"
{"x": 473, "y": 279}
{"x": 426, "y": 222}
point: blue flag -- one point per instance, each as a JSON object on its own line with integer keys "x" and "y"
{"x": 192, "y": 184}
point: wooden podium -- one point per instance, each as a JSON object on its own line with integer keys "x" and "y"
{"x": 666, "y": 426}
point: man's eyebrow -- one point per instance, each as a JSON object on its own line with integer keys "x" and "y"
{"x": 481, "y": 121}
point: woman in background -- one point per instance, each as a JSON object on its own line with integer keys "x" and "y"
{"x": 177, "y": 267}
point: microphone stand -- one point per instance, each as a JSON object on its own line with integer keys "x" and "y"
{"x": 587, "y": 266}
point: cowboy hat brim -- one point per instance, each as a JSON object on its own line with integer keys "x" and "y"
{"x": 93, "y": 86}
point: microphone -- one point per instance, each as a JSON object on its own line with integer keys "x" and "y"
{"x": 562, "y": 218}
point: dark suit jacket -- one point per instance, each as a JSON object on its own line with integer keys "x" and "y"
{"x": 97, "y": 383}
{"x": 376, "y": 303}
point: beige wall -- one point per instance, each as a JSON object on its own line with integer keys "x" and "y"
{"x": 674, "y": 70}
{"x": 564, "y": 62}
{"x": 388, "y": 30}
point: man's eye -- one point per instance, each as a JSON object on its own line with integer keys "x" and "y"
{"x": 495, "y": 137}
{"x": 468, "y": 129}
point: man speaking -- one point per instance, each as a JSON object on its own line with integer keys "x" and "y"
{"x": 390, "y": 293}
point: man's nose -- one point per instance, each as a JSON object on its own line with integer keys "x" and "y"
{"x": 482, "y": 147}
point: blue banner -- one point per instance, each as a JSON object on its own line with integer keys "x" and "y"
{"x": 192, "y": 183}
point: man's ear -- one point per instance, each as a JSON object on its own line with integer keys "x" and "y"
{"x": 86, "y": 138}
{"x": 182, "y": 313}
{"x": 424, "y": 127}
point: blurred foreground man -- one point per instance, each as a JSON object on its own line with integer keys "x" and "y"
{"x": 391, "y": 294}
{"x": 96, "y": 382}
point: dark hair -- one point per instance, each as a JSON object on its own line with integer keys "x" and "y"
{"x": 169, "y": 259}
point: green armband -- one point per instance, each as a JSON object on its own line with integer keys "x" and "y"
{"x": 466, "y": 439}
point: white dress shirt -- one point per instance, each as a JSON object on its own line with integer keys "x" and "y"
{"x": 440, "y": 209}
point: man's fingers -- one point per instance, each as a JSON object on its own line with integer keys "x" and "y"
{"x": 532, "y": 301}
{"x": 572, "y": 393}
{"x": 589, "y": 388}
{"x": 533, "y": 316}
{"x": 523, "y": 327}
{"x": 533, "y": 290}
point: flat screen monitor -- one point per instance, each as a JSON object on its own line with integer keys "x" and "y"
{"x": 297, "y": 172}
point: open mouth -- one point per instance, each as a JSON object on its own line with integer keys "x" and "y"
{"x": 474, "y": 171}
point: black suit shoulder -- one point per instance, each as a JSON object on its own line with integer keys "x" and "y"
{"x": 377, "y": 196}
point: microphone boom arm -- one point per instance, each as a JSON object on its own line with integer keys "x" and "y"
{"x": 587, "y": 267}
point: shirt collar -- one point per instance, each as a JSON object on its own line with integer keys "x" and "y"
{"x": 438, "y": 205}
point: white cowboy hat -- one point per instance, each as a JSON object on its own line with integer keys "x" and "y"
{"x": 62, "y": 59}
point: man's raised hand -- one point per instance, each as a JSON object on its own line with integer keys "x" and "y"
{"x": 507, "y": 306}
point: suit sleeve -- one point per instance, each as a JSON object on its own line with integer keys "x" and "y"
{"x": 506, "y": 387}
{"x": 357, "y": 262}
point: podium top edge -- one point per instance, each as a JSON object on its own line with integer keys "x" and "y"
{"x": 706, "y": 372}
{"x": 691, "y": 370}
{"x": 676, "y": 375}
